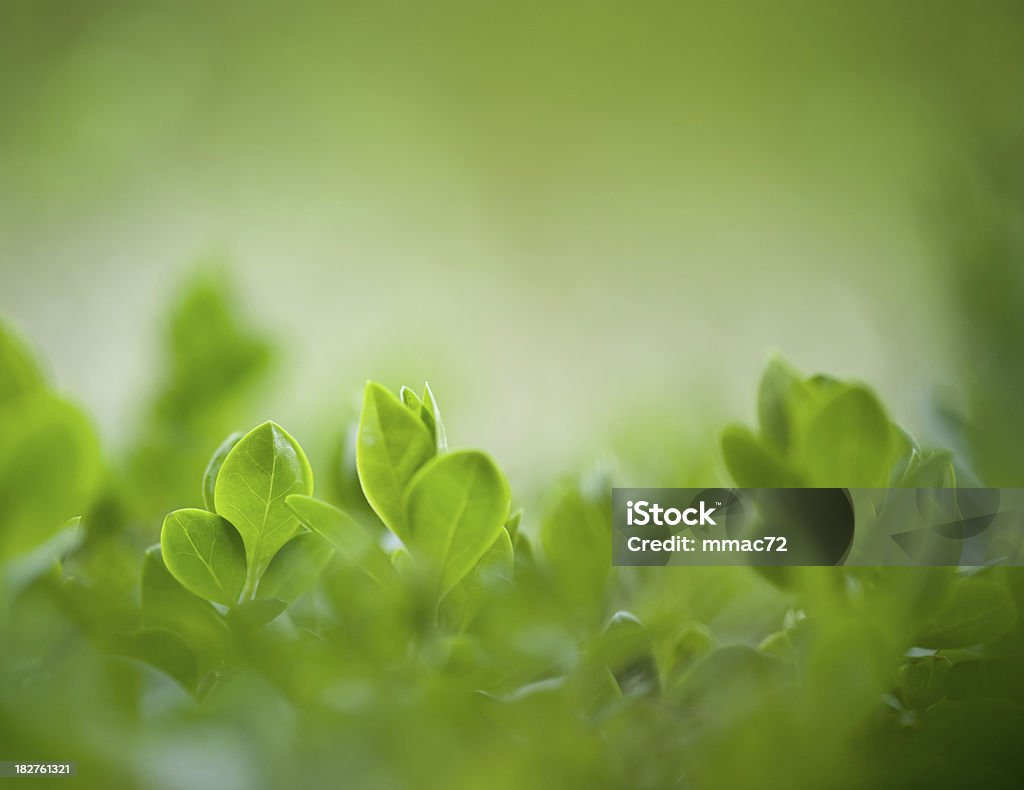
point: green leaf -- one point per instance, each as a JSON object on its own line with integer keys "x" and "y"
{"x": 46, "y": 558}
{"x": 392, "y": 445}
{"x": 734, "y": 678}
{"x": 849, "y": 665}
{"x": 923, "y": 681}
{"x": 998, "y": 677}
{"x": 205, "y": 553}
{"x": 213, "y": 352}
{"x": 512, "y": 524}
{"x": 263, "y": 468}
{"x": 49, "y": 470}
{"x": 751, "y": 464}
{"x": 19, "y": 374}
{"x": 212, "y": 363}
{"x": 497, "y": 565}
{"x": 432, "y": 419}
{"x": 213, "y": 468}
{"x": 250, "y": 615}
{"x": 576, "y": 537}
{"x": 354, "y": 544}
{"x": 976, "y": 611}
{"x": 523, "y": 549}
{"x": 625, "y": 648}
{"x": 495, "y": 568}
{"x": 163, "y": 649}
{"x": 928, "y": 469}
{"x": 693, "y": 640}
{"x": 167, "y": 604}
{"x": 850, "y": 442}
{"x": 410, "y": 399}
{"x": 781, "y": 394}
{"x": 456, "y": 506}
{"x": 296, "y": 567}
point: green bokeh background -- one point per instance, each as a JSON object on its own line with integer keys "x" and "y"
{"x": 616, "y": 199}
{"x": 588, "y": 225}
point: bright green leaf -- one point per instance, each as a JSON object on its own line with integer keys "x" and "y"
{"x": 410, "y": 399}
{"x": 456, "y": 506}
{"x": 205, "y": 553}
{"x": 432, "y": 418}
{"x": 263, "y": 468}
{"x": 393, "y": 444}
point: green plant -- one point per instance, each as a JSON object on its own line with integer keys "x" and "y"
{"x": 409, "y": 628}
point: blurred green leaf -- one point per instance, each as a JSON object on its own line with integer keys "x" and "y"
{"x": 167, "y": 604}
{"x": 849, "y": 665}
{"x": 523, "y": 550}
{"x": 976, "y": 611}
{"x": 496, "y": 567}
{"x": 49, "y": 469}
{"x": 781, "y": 393}
{"x": 849, "y": 443}
{"x": 205, "y": 553}
{"x": 250, "y": 615}
{"x": 575, "y": 535}
{"x": 692, "y": 641}
{"x": 19, "y": 374}
{"x": 997, "y": 677}
{"x": 296, "y": 567}
{"x": 162, "y": 649}
{"x": 512, "y": 524}
{"x": 350, "y": 539}
{"x": 928, "y": 469}
{"x": 727, "y": 684}
{"x": 212, "y": 352}
{"x": 923, "y": 681}
{"x": 753, "y": 465}
{"x": 625, "y": 648}
{"x": 213, "y": 468}
{"x": 212, "y": 363}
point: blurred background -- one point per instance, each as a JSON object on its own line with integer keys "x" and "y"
{"x": 564, "y": 215}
